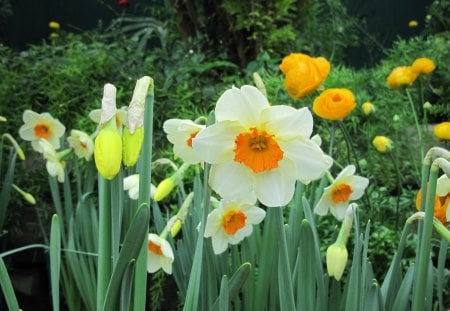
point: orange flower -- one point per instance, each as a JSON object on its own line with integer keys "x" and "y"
{"x": 442, "y": 131}
{"x": 334, "y": 104}
{"x": 401, "y": 76}
{"x": 304, "y": 74}
{"x": 423, "y": 65}
{"x": 440, "y": 206}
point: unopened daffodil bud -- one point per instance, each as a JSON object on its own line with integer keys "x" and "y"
{"x": 176, "y": 226}
{"x": 27, "y": 196}
{"x": 259, "y": 83}
{"x": 132, "y": 144}
{"x": 16, "y": 146}
{"x": 168, "y": 184}
{"x": 337, "y": 256}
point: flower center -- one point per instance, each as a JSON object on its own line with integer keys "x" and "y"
{"x": 337, "y": 97}
{"x": 233, "y": 220}
{"x": 154, "y": 248}
{"x": 341, "y": 193}
{"x": 257, "y": 150}
{"x": 191, "y": 137}
{"x": 42, "y": 130}
{"x": 83, "y": 145}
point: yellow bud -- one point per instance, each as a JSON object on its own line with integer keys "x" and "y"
{"x": 164, "y": 188}
{"x": 15, "y": 145}
{"x": 108, "y": 151}
{"x": 132, "y": 144}
{"x": 368, "y": 108}
{"x": 54, "y": 25}
{"x": 382, "y": 144}
{"x": 176, "y": 227}
{"x": 27, "y": 196}
{"x": 337, "y": 256}
{"x": 3, "y": 119}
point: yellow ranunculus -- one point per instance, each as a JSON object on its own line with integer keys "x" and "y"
{"x": 442, "y": 131}
{"x": 108, "y": 150}
{"x": 303, "y": 74}
{"x": 423, "y": 65}
{"x": 368, "y": 108}
{"x": 401, "y": 76}
{"x": 382, "y": 144}
{"x": 53, "y": 25}
{"x": 334, "y": 104}
{"x": 413, "y": 23}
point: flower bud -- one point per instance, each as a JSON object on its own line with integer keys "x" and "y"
{"x": 27, "y": 196}
{"x": 164, "y": 188}
{"x": 337, "y": 256}
{"x": 108, "y": 150}
{"x": 427, "y": 106}
{"x": 132, "y": 144}
{"x": 382, "y": 144}
{"x": 368, "y": 108}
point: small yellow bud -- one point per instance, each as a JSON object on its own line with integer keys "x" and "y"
{"x": 164, "y": 188}
{"x": 337, "y": 256}
{"x": 54, "y": 25}
{"x": 427, "y": 106}
{"x": 3, "y": 119}
{"x": 382, "y": 144}
{"x": 15, "y": 145}
{"x": 368, "y": 108}
{"x": 132, "y": 144}
{"x": 27, "y": 196}
{"x": 413, "y": 23}
{"x": 176, "y": 227}
{"x": 108, "y": 150}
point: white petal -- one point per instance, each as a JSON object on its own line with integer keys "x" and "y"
{"x": 215, "y": 143}
{"x": 243, "y": 105}
{"x": 358, "y": 186}
{"x": 219, "y": 243}
{"x": 230, "y": 179}
{"x": 339, "y": 210}
{"x": 287, "y": 122}
{"x": 26, "y": 132}
{"x": 153, "y": 262}
{"x": 347, "y": 171}
{"x": 166, "y": 265}
{"x": 255, "y": 215}
{"x": 324, "y": 204}
{"x": 310, "y": 161}
{"x": 108, "y": 103}
{"x": 29, "y": 116}
{"x": 275, "y": 187}
{"x": 443, "y": 186}
{"x": 213, "y": 222}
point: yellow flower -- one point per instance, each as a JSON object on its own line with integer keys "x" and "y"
{"x": 81, "y": 143}
{"x": 413, "y": 23}
{"x": 54, "y": 25}
{"x": 382, "y": 144}
{"x": 337, "y": 256}
{"x": 39, "y": 126}
{"x": 303, "y": 74}
{"x": 401, "y": 76}
{"x": 334, "y": 104}
{"x": 54, "y": 35}
{"x": 423, "y": 65}
{"x": 368, "y": 108}
{"x": 442, "y": 131}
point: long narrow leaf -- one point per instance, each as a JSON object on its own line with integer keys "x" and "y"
{"x": 55, "y": 260}
{"x": 7, "y": 288}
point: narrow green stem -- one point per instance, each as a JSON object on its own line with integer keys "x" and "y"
{"x": 332, "y": 136}
{"x": 425, "y": 245}
{"x": 145, "y": 171}
{"x": 23, "y": 248}
{"x": 416, "y": 121}
{"x": 284, "y": 270}
{"x": 399, "y": 189}
{"x": 104, "y": 241}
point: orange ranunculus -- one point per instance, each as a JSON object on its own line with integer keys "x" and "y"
{"x": 423, "y": 65}
{"x": 401, "y": 76}
{"x": 442, "y": 131}
{"x": 334, "y": 104}
{"x": 440, "y": 206}
{"x": 304, "y": 74}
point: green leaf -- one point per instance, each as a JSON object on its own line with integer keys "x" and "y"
{"x": 127, "y": 285}
{"x": 402, "y": 300}
{"x": 224, "y": 297}
{"x": 8, "y": 290}
{"x": 306, "y": 295}
{"x": 55, "y": 260}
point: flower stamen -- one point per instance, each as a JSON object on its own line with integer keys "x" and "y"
{"x": 42, "y": 130}
{"x": 341, "y": 193}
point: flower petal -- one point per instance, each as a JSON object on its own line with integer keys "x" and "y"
{"x": 230, "y": 179}
{"x": 219, "y": 243}
{"x": 29, "y": 116}
{"x": 339, "y": 210}
{"x": 287, "y": 122}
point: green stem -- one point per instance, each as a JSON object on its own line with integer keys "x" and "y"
{"x": 416, "y": 121}
{"x": 145, "y": 170}
{"x": 104, "y": 241}
{"x": 23, "y": 248}
{"x": 399, "y": 189}
{"x": 284, "y": 271}
{"x": 419, "y": 298}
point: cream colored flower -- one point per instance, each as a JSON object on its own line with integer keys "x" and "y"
{"x": 231, "y": 222}
{"x": 255, "y": 147}
{"x": 180, "y": 133}
{"x": 160, "y": 254}
{"x": 81, "y": 143}
{"x": 41, "y": 126}
{"x": 55, "y": 167}
{"x": 336, "y": 197}
{"x": 131, "y": 184}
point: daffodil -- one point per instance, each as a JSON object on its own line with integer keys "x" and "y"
{"x": 160, "y": 254}
{"x": 441, "y": 200}
{"x": 382, "y": 143}
{"x": 442, "y": 131}
{"x": 257, "y": 148}
{"x": 81, "y": 143}
{"x": 345, "y": 188}
{"x": 231, "y": 222}
{"x": 41, "y": 126}
{"x": 131, "y": 184}
{"x": 180, "y": 133}
{"x": 54, "y": 165}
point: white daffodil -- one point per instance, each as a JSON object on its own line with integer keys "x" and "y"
{"x": 81, "y": 143}
{"x": 160, "y": 254}
{"x": 55, "y": 167}
{"x": 345, "y": 188}
{"x": 41, "y": 126}
{"x": 180, "y": 133}
{"x": 131, "y": 184}
{"x": 231, "y": 222}
{"x": 258, "y": 147}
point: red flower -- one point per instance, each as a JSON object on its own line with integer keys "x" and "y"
{"x": 124, "y": 3}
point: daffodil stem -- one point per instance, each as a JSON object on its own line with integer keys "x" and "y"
{"x": 284, "y": 270}
{"x": 416, "y": 121}
{"x": 399, "y": 189}
{"x": 425, "y": 244}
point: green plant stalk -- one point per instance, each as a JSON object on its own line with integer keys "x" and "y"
{"x": 140, "y": 276}
{"x": 416, "y": 121}
{"x": 400, "y": 188}
{"x": 104, "y": 241}
{"x": 7, "y": 288}
{"x": 425, "y": 245}
{"x": 285, "y": 287}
